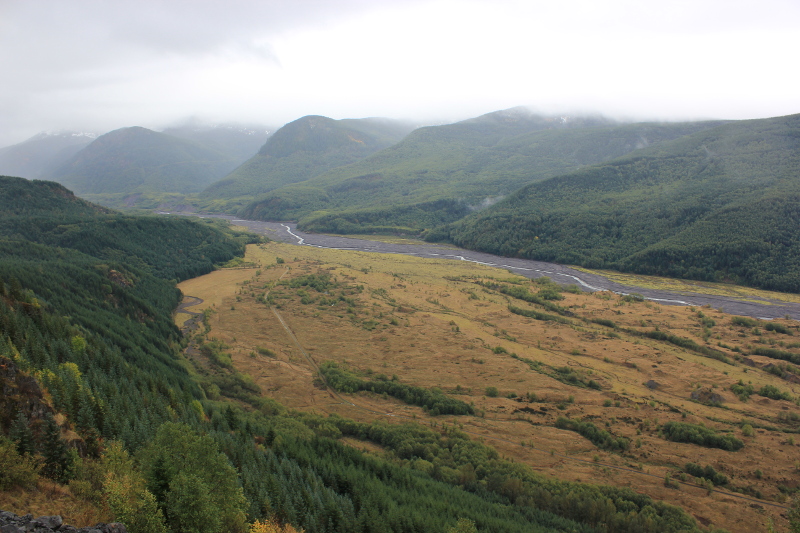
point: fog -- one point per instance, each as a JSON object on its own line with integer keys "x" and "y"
{"x": 94, "y": 65}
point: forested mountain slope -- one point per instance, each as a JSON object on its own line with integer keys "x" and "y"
{"x": 86, "y": 301}
{"x": 459, "y": 166}
{"x": 41, "y": 153}
{"x": 720, "y": 204}
{"x": 301, "y": 150}
{"x": 138, "y": 160}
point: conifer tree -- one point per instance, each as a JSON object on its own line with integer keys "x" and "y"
{"x": 22, "y": 435}
{"x": 57, "y": 460}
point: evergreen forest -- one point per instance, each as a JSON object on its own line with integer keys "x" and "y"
{"x": 717, "y": 205}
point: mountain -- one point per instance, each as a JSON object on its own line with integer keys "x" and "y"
{"x": 721, "y": 204}
{"x": 301, "y": 150}
{"x": 461, "y": 167}
{"x": 42, "y": 153}
{"x": 239, "y": 142}
{"x": 138, "y": 160}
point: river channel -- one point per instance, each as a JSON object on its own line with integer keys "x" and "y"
{"x": 753, "y": 306}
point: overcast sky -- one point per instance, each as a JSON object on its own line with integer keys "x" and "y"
{"x": 104, "y": 64}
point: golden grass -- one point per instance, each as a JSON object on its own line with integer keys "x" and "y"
{"x": 49, "y": 497}
{"x": 427, "y": 322}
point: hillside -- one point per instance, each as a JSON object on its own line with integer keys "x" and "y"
{"x": 299, "y": 151}
{"x": 42, "y": 153}
{"x": 720, "y": 204}
{"x": 86, "y": 314}
{"x": 136, "y": 160}
{"x": 463, "y": 166}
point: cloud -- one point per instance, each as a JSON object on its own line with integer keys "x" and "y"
{"x": 100, "y": 65}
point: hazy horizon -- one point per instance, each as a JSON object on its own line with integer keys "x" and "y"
{"x": 97, "y": 66}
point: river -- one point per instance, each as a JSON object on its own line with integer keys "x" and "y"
{"x": 754, "y": 307}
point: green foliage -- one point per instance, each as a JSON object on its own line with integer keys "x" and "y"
{"x": 773, "y": 392}
{"x": 461, "y": 461}
{"x": 298, "y": 151}
{"x": 16, "y": 469}
{"x": 491, "y": 392}
{"x": 599, "y": 437}
{"x": 57, "y": 464}
{"x": 716, "y": 205}
{"x": 742, "y": 391}
{"x": 745, "y": 321}
{"x": 794, "y": 515}
{"x": 192, "y": 481}
{"x": 778, "y": 328}
{"x": 683, "y": 342}
{"x": 701, "y": 435}
{"x": 464, "y": 525}
{"x": 433, "y": 401}
{"x": 470, "y": 163}
{"x": 406, "y": 219}
{"x": 706, "y": 472}
{"x": 20, "y": 432}
{"x": 778, "y": 354}
{"x": 548, "y": 291}
{"x": 125, "y": 492}
{"x": 538, "y": 315}
{"x": 318, "y": 282}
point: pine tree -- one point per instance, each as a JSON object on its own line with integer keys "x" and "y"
{"x": 21, "y": 433}
{"x": 57, "y": 460}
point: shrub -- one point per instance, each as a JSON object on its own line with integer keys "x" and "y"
{"x": 15, "y": 469}
{"x": 599, "y": 437}
{"x": 701, "y": 435}
{"x": 271, "y": 525}
{"x": 708, "y": 473}
{"x": 492, "y": 392}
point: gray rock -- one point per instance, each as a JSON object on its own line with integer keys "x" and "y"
{"x": 707, "y": 396}
{"x": 49, "y": 522}
{"x": 11, "y": 523}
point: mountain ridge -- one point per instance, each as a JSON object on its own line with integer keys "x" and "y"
{"x": 643, "y": 212}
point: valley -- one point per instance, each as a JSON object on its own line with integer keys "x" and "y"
{"x": 450, "y": 327}
{"x": 733, "y": 299}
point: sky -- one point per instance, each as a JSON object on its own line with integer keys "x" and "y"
{"x": 99, "y": 65}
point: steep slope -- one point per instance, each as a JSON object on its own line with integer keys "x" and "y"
{"x": 721, "y": 204}
{"x": 138, "y": 160}
{"x": 42, "y": 153}
{"x": 472, "y": 163}
{"x": 301, "y": 150}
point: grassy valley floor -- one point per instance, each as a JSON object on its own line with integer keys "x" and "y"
{"x": 449, "y": 326}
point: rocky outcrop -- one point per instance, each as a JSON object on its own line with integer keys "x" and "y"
{"x": 707, "y": 396}
{"x": 20, "y": 392}
{"x": 11, "y": 523}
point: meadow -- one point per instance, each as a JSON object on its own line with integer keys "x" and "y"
{"x": 596, "y": 388}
